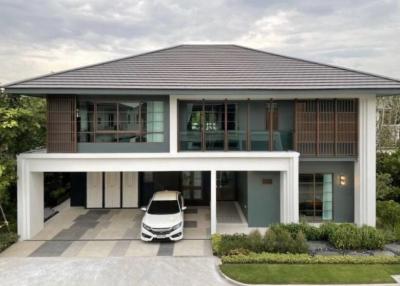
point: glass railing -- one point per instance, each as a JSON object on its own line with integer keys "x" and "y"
{"x": 236, "y": 140}
{"x": 190, "y": 140}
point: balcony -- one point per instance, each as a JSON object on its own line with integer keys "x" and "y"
{"x": 314, "y": 128}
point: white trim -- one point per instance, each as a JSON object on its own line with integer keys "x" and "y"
{"x": 173, "y": 124}
{"x": 32, "y": 165}
{"x": 213, "y": 201}
{"x": 365, "y": 167}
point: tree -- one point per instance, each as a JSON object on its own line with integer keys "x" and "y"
{"x": 388, "y": 122}
{"x": 22, "y": 128}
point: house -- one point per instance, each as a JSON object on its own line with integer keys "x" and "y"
{"x": 284, "y": 139}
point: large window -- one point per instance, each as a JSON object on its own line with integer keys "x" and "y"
{"x": 235, "y": 125}
{"x": 125, "y": 122}
{"x": 315, "y": 197}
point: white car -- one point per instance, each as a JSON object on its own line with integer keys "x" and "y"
{"x": 164, "y": 217}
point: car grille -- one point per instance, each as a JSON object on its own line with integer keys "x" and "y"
{"x": 161, "y": 230}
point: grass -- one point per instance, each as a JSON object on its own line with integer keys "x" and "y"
{"x": 311, "y": 273}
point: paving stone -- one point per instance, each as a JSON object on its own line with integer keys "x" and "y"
{"x": 191, "y": 211}
{"x": 120, "y": 248}
{"x": 190, "y": 224}
{"x": 51, "y": 249}
{"x": 393, "y": 247}
{"x": 357, "y": 253}
{"x": 166, "y": 249}
{"x": 382, "y": 253}
{"x": 315, "y": 246}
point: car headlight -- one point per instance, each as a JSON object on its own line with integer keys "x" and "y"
{"x": 146, "y": 227}
{"x": 175, "y": 227}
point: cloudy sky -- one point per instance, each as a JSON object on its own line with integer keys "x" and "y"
{"x": 39, "y": 36}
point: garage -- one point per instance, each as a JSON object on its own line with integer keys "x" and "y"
{"x": 135, "y": 189}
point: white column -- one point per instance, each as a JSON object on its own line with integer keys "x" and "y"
{"x": 365, "y": 167}
{"x": 30, "y": 201}
{"x": 289, "y": 193}
{"x": 213, "y": 201}
{"x": 283, "y": 195}
{"x": 173, "y": 124}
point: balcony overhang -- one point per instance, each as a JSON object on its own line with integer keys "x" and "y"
{"x": 136, "y": 162}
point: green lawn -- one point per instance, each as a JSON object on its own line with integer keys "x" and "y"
{"x": 311, "y": 273}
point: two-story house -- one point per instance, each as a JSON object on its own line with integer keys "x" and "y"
{"x": 285, "y": 139}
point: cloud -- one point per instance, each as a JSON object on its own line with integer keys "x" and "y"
{"x": 41, "y": 36}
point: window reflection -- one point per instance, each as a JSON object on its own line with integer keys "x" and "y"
{"x": 125, "y": 122}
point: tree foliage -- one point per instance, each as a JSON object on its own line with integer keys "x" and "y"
{"x": 388, "y": 122}
{"x": 22, "y": 128}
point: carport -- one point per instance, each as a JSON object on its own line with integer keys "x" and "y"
{"x": 31, "y": 167}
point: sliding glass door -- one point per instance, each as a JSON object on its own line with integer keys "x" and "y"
{"x": 316, "y": 197}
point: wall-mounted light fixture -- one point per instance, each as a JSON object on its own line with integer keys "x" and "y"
{"x": 342, "y": 180}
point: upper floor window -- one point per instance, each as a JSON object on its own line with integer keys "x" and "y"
{"x": 235, "y": 125}
{"x": 130, "y": 121}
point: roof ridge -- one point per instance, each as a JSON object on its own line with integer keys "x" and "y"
{"x": 319, "y": 63}
{"x": 89, "y": 66}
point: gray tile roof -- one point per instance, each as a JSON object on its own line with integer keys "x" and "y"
{"x": 209, "y": 67}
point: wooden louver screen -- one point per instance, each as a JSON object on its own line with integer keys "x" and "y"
{"x": 61, "y": 124}
{"x": 326, "y": 127}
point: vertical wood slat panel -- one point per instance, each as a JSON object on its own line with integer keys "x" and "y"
{"x": 326, "y": 127}
{"x": 61, "y": 124}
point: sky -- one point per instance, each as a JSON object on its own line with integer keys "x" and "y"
{"x": 42, "y": 36}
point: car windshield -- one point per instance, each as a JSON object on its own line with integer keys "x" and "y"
{"x": 163, "y": 207}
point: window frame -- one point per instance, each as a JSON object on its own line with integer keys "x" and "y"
{"x": 314, "y": 220}
{"x": 140, "y": 132}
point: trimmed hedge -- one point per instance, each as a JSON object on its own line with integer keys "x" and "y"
{"x": 291, "y": 238}
{"x": 6, "y": 239}
{"x": 344, "y": 236}
{"x": 276, "y": 240}
{"x": 276, "y": 258}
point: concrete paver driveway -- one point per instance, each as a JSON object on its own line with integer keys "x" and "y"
{"x": 107, "y": 271}
{"x": 79, "y": 232}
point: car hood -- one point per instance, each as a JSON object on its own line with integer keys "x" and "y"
{"x": 162, "y": 221}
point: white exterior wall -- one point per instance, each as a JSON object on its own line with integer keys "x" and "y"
{"x": 365, "y": 167}
{"x": 32, "y": 165}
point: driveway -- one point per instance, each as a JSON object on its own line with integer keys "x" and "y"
{"x": 79, "y": 232}
{"x": 110, "y": 271}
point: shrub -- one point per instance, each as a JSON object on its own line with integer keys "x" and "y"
{"x": 300, "y": 243}
{"x": 276, "y": 258}
{"x": 388, "y": 213}
{"x": 6, "y": 239}
{"x": 229, "y": 243}
{"x": 327, "y": 230}
{"x": 279, "y": 239}
{"x": 371, "y": 238}
{"x": 255, "y": 241}
{"x": 215, "y": 243}
{"x": 346, "y": 236}
{"x": 310, "y": 232}
{"x": 350, "y": 237}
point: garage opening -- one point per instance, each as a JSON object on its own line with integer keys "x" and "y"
{"x": 106, "y": 205}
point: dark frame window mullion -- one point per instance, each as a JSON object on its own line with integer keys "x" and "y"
{"x": 226, "y": 125}
{"x": 203, "y": 121}
{"x": 117, "y": 122}
{"x": 271, "y": 125}
{"x": 248, "y": 139}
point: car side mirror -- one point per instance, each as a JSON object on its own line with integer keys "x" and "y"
{"x": 143, "y": 209}
{"x": 184, "y": 208}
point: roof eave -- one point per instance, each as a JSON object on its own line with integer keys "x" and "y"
{"x": 35, "y": 91}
